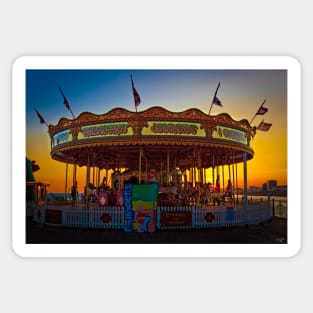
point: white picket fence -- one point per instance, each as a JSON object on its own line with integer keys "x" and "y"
{"x": 203, "y": 217}
{"x": 100, "y": 218}
{"x": 223, "y": 217}
{"x": 195, "y": 217}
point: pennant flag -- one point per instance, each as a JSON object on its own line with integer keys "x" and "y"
{"x": 66, "y": 103}
{"x": 262, "y": 111}
{"x": 135, "y": 93}
{"x": 41, "y": 119}
{"x": 264, "y": 126}
{"x": 217, "y": 101}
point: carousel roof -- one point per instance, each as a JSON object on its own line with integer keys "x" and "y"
{"x": 115, "y": 139}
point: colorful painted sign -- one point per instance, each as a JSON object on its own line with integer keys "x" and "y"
{"x": 62, "y": 137}
{"x": 229, "y": 134}
{"x": 146, "y": 193}
{"x": 128, "y": 207}
{"x": 173, "y": 129}
{"x": 144, "y": 201}
{"x": 105, "y": 130}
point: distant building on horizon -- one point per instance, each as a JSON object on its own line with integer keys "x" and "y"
{"x": 270, "y": 185}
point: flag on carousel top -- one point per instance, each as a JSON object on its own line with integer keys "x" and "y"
{"x": 262, "y": 110}
{"x": 66, "y": 103}
{"x": 264, "y": 126}
{"x": 135, "y": 93}
{"x": 217, "y": 101}
{"x": 41, "y": 119}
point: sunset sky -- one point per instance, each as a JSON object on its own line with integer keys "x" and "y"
{"x": 241, "y": 93}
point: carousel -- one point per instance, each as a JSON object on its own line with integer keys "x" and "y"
{"x": 152, "y": 140}
{"x": 188, "y": 153}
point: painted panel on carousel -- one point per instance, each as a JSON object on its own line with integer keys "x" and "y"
{"x": 128, "y": 208}
{"x": 62, "y": 137}
{"x": 173, "y": 129}
{"x": 144, "y": 201}
{"x": 230, "y": 134}
{"x": 105, "y": 130}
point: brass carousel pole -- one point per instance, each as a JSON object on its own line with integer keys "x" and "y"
{"x": 65, "y": 191}
{"x": 200, "y": 175}
{"x": 223, "y": 178}
{"x": 200, "y": 167}
{"x": 204, "y": 175}
{"x": 229, "y": 176}
{"x": 191, "y": 175}
{"x": 106, "y": 175}
{"x": 168, "y": 167}
{"x": 146, "y": 169}
{"x": 236, "y": 183}
{"x": 74, "y": 178}
{"x": 193, "y": 178}
{"x": 98, "y": 180}
{"x": 161, "y": 171}
{"x": 93, "y": 169}
{"x": 74, "y": 173}
{"x": 233, "y": 166}
{"x": 213, "y": 167}
{"x": 140, "y": 153}
{"x": 245, "y": 180}
{"x": 87, "y": 181}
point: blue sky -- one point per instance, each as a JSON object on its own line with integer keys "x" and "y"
{"x": 97, "y": 91}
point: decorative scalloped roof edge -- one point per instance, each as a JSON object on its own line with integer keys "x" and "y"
{"x": 197, "y": 113}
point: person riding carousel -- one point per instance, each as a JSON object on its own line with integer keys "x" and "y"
{"x": 229, "y": 190}
{"x": 74, "y": 193}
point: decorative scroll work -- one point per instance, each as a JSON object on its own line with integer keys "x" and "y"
{"x": 153, "y": 113}
{"x": 229, "y": 134}
{"x": 173, "y": 129}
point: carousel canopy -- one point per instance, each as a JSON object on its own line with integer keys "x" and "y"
{"x": 117, "y": 138}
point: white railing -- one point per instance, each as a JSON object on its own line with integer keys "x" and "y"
{"x": 187, "y": 217}
{"x": 206, "y": 217}
{"x": 222, "y": 217}
{"x": 103, "y": 218}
